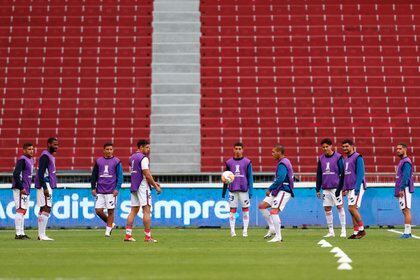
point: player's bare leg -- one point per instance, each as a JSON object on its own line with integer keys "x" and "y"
{"x": 407, "y": 223}
{"x": 359, "y": 230}
{"x": 147, "y": 223}
{"x": 232, "y": 221}
{"x": 274, "y": 213}
{"x": 330, "y": 223}
{"x": 342, "y": 217}
{"x": 263, "y": 206}
{"x": 130, "y": 222}
{"x": 44, "y": 214}
{"x": 101, "y": 214}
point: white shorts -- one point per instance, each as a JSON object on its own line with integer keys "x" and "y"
{"x": 329, "y": 198}
{"x": 405, "y": 201}
{"x": 43, "y": 200}
{"x": 141, "y": 197}
{"x": 21, "y": 200}
{"x": 235, "y": 197}
{"x": 279, "y": 201}
{"x": 105, "y": 201}
{"x": 354, "y": 199}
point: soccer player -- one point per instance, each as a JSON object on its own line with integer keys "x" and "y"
{"x": 278, "y": 194}
{"x": 404, "y": 187}
{"x": 354, "y": 186}
{"x": 329, "y": 178}
{"x": 141, "y": 180}
{"x": 241, "y": 188}
{"x": 45, "y": 182}
{"x": 21, "y": 186}
{"x": 106, "y": 181}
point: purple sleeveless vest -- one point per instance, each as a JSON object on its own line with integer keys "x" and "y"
{"x": 399, "y": 177}
{"x": 239, "y": 168}
{"x": 50, "y": 171}
{"x": 26, "y": 174}
{"x": 350, "y": 174}
{"x": 330, "y": 171}
{"x": 288, "y": 181}
{"x": 136, "y": 172}
{"x": 107, "y": 177}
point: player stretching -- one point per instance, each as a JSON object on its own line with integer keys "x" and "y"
{"x": 107, "y": 178}
{"x": 329, "y": 178}
{"x": 404, "y": 187}
{"x": 354, "y": 186}
{"x": 45, "y": 182}
{"x": 21, "y": 186}
{"x": 278, "y": 194}
{"x": 141, "y": 180}
{"x": 241, "y": 188}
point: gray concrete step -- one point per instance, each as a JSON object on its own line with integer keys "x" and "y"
{"x": 171, "y": 129}
{"x": 175, "y": 118}
{"x": 176, "y": 6}
{"x": 190, "y": 48}
{"x": 174, "y": 168}
{"x": 176, "y": 109}
{"x": 175, "y": 88}
{"x": 176, "y": 58}
{"x": 176, "y": 16}
{"x": 178, "y": 27}
{"x": 176, "y": 37}
{"x": 175, "y": 78}
{"x": 175, "y": 68}
{"x": 168, "y": 99}
{"x": 174, "y": 158}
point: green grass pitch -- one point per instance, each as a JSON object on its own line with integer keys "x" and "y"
{"x": 206, "y": 254}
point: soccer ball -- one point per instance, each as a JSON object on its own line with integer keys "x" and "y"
{"x": 228, "y": 177}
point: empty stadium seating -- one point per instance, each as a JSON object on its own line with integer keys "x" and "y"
{"x": 294, "y": 73}
{"x": 77, "y": 70}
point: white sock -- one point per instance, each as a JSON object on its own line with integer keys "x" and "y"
{"x": 128, "y": 231}
{"x": 246, "y": 220}
{"x": 342, "y": 216}
{"x": 42, "y": 223}
{"x": 232, "y": 221}
{"x": 108, "y": 230}
{"x": 329, "y": 217}
{"x": 19, "y": 223}
{"x": 277, "y": 225}
{"x": 407, "y": 229}
{"x": 267, "y": 218}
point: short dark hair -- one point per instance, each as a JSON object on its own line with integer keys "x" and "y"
{"x": 348, "y": 141}
{"x": 238, "y": 144}
{"x": 51, "y": 140}
{"x": 142, "y": 143}
{"x": 280, "y": 148}
{"x": 108, "y": 144}
{"x": 326, "y": 141}
{"x": 27, "y": 145}
{"x": 404, "y": 145}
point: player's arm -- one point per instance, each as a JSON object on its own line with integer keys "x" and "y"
{"x": 341, "y": 175}
{"x": 318, "y": 178}
{"x": 43, "y": 165}
{"x": 94, "y": 178}
{"x": 281, "y": 175}
{"x": 250, "y": 179}
{"x": 406, "y": 177}
{"x": 225, "y": 186}
{"x": 120, "y": 179}
{"x": 20, "y": 166}
{"x": 360, "y": 174}
{"x": 146, "y": 173}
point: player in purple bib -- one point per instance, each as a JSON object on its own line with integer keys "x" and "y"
{"x": 404, "y": 187}
{"x": 354, "y": 185}
{"x": 106, "y": 181}
{"x": 141, "y": 180}
{"x": 278, "y": 194}
{"x": 329, "y": 178}
{"x": 240, "y": 190}
{"x": 45, "y": 183}
{"x": 21, "y": 186}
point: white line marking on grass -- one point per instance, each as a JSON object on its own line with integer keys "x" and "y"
{"x": 400, "y": 232}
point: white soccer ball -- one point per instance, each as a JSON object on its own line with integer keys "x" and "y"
{"x": 228, "y": 177}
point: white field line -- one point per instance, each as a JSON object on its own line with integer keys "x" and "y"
{"x": 400, "y": 232}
